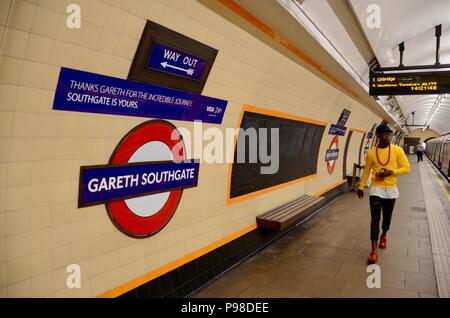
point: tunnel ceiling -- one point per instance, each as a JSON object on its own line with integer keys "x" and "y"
{"x": 412, "y": 22}
{"x": 332, "y": 24}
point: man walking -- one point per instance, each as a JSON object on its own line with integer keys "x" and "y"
{"x": 387, "y": 162}
{"x": 419, "y": 150}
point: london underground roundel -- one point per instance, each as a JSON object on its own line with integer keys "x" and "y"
{"x": 332, "y": 154}
{"x": 145, "y": 215}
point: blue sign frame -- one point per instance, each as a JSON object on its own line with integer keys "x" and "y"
{"x": 94, "y": 93}
{"x": 169, "y": 60}
{"x": 104, "y": 183}
{"x": 337, "y": 130}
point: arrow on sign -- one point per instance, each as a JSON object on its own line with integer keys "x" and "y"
{"x": 189, "y": 71}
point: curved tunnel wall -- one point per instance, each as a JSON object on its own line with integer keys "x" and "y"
{"x": 41, "y": 228}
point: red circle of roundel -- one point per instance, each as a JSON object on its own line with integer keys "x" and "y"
{"x": 128, "y": 222}
{"x": 334, "y": 142}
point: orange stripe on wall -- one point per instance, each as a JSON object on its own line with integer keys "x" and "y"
{"x": 171, "y": 266}
{"x": 236, "y": 8}
{"x": 122, "y": 289}
{"x": 358, "y": 130}
{"x": 331, "y": 187}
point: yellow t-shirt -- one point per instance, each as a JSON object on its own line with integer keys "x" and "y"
{"x": 398, "y": 163}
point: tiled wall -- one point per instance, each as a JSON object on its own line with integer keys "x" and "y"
{"x": 41, "y": 150}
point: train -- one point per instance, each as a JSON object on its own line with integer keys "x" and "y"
{"x": 438, "y": 151}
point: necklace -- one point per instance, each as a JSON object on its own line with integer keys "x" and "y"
{"x": 388, "y": 159}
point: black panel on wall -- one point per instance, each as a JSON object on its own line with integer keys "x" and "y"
{"x": 299, "y": 144}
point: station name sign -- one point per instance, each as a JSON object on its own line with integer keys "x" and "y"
{"x": 411, "y": 83}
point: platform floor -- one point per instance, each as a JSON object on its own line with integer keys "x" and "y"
{"x": 327, "y": 255}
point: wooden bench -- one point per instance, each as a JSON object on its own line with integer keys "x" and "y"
{"x": 289, "y": 213}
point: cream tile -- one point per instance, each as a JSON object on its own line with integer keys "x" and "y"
{"x": 46, "y": 22}
{"x": 3, "y": 275}
{"x": 59, "y": 279}
{"x": 95, "y": 246}
{"x": 66, "y": 293}
{"x": 40, "y": 218}
{"x": 62, "y": 170}
{"x": 15, "y": 43}
{"x": 47, "y": 126}
{"x": 39, "y": 75}
{"x": 40, "y": 263}
{"x": 40, "y": 195}
{"x": 17, "y": 222}
{"x": 41, "y": 171}
{"x": 19, "y": 173}
{"x": 6, "y": 123}
{"x": 133, "y": 26}
{"x": 22, "y": 15}
{"x": 4, "y": 10}
{"x": 63, "y": 54}
{"x": 40, "y": 240}
{"x": 39, "y": 48}
{"x": 17, "y": 198}
{"x": 60, "y": 213}
{"x": 20, "y": 290}
{"x": 8, "y": 95}
{"x": 61, "y": 192}
{"x": 98, "y": 284}
{"x": 3, "y": 224}
{"x": 59, "y": 235}
{"x": 78, "y": 231}
{"x": 94, "y": 227}
{"x": 17, "y": 246}
{"x": 97, "y": 265}
{"x": 18, "y": 269}
{"x": 4, "y": 149}
{"x": 57, "y": 6}
{"x": 10, "y": 70}
{"x": 61, "y": 256}
{"x": 2, "y": 250}
{"x": 21, "y": 149}
{"x": 24, "y": 125}
{"x": 42, "y": 285}
{"x": 126, "y": 47}
{"x": 44, "y": 149}
{"x": 27, "y": 98}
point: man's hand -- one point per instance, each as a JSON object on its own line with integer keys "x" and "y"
{"x": 360, "y": 193}
{"x": 388, "y": 172}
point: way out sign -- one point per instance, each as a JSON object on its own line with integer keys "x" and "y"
{"x": 176, "y": 62}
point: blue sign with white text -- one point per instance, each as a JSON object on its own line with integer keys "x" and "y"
{"x": 108, "y": 183}
{"x": 337, "y": 130}
{"x": 94, "y": 93}
{"x": 169, "y": 60}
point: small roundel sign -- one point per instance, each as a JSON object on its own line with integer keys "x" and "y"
{"x": 332, "y": 154}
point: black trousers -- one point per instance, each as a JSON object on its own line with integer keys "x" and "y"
{"x": 420, "y": 156}
{"x": 377, "y": 205}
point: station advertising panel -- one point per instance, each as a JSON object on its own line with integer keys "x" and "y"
{"x": 81, "y": 91}
{"x": 410, "y": 83}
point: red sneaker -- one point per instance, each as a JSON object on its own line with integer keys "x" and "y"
{"x": 383, "y": 242}
{"x": 373, "y": 257}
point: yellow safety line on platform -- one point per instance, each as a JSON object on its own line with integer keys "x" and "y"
{"x": 440, "y": 184}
